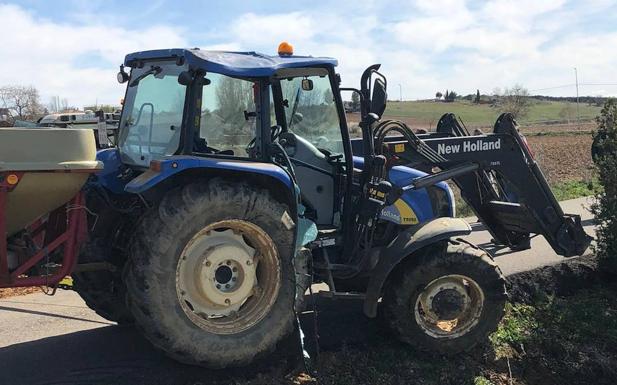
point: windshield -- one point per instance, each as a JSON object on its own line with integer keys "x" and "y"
{"x": 152, "y": 116}
{"x": 312, "y": 114}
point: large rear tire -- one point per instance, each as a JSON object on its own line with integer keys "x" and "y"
{"x": 104, "y": 290}
{"x": 105, "y": 293}
{"x": 446, "y": 303}
{"x": 210, "y": 280}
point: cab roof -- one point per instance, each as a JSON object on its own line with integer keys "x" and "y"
{"x": 243, "y": 64}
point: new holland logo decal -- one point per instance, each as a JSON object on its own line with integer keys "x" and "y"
{"x": 469, "y": 146}
{"x": 400, "y": 213}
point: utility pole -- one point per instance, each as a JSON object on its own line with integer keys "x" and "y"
{"x": 400, "y": 92}
{"x": 578, "y": 119}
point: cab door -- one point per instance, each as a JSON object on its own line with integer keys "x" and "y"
{"x": 308, "y": 112}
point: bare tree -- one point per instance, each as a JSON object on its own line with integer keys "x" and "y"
{"x": 515, "y": 100}
{"x": 233, "y": 97}
{"x": 22, "y": 102}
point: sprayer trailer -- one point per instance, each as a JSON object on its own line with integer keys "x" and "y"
{"x": 42, "y": 221}
{"x": 235, "y": 185}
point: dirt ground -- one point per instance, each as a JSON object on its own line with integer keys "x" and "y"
{"x": 13, "y": 292}
{"x": 563, "y": 157}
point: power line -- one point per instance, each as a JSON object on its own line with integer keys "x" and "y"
{"x": 553, "y": 88}
{"x": 573, "y": 85}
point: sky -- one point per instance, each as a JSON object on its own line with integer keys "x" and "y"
{"x": 72, "y": 49}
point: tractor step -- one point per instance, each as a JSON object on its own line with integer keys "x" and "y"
{"x": 341, "y": 295}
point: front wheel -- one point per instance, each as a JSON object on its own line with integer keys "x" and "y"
{"x": 446, "y": 303}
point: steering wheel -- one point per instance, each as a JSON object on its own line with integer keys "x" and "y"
{"x": 275, "y": 131}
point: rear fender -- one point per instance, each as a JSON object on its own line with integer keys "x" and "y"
{"x": 405, "y": 244}
{"x": 163, "y": 169}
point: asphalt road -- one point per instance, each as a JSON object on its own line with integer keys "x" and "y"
{"x": 58, "y": 340}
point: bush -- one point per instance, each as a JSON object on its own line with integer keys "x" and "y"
{"x": 605, "y": 207}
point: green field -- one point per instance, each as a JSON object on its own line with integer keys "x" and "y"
{"x": 483, "y": 115}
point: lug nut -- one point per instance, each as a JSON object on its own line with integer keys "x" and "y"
{"x": 228, "y": 263}
{"x": 249, "y": 262}
{"x": 235, "y": 269}
{"x": 233, "y": 279}
{"x": 227, "y": 301}
{"x": 227, "y": 286}
{"x": 218, "y": 286}
{"x": 208, "y": 263}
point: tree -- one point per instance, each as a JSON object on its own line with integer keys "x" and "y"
{"x": 515, "y": 100}
{"x": 445, "y": 97}
{"x": 233, "y": 97}
{"x": 450, "y": 96}
{"x": 355, "y": 101}
{"x": 605, "y": 207}
{"x": 477, "y": 101}
{"x": 438, "y": 95}
{"x": 22, "y": 102}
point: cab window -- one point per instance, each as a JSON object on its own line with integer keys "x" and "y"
{"x": 227, "y": 122}
{"x": 310, "y": 112}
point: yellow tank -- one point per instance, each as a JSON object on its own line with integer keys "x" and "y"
{"x": 56, "y": 162}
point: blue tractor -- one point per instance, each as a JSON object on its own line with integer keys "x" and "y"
{"x": 234, "y": 185}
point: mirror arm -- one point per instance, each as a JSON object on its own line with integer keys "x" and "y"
{"x": 365, "y": 89}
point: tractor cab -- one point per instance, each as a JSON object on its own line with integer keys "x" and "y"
{"x": 241, "y": 107}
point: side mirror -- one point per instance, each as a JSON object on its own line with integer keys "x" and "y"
{"x": 379, "y": 97}
{"x": 307, "y": 85}
{"x": 185, "y": 78}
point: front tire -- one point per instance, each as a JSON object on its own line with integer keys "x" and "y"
{"x": 446, "y": 303}
{"x": 211, "y": 280}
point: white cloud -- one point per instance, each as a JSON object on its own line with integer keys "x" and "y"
{"x": 42, "y": 53}
{"x": 425, "y": 46}
{"x": 255, "y": 29}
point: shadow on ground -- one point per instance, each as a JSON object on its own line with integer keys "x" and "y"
{"x": 119, "y": 355}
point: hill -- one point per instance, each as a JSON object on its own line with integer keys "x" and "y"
{"x": 426, "y": 113}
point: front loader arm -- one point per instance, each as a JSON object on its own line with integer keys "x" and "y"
{"x": 498, "y": 177}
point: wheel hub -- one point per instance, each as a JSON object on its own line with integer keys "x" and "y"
{"x": 449, "y": 306}
{"x": 219, "y": 274}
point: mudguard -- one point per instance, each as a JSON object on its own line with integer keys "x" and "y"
{"x": 405, "y": 244}
{"x": 164, "y": 168}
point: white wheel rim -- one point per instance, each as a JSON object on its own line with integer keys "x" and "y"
{"x": 228, "y": 276}
{"x": 449, "y": 306}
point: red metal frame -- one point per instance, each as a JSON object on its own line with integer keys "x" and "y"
{"x": 74, "y": 233}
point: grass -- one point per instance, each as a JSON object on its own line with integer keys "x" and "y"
{"x": 586, "y": 318}
{"x": 429, "y": 112}
{"x": 480, "y": 380}
{"x": 575, "y": 189}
